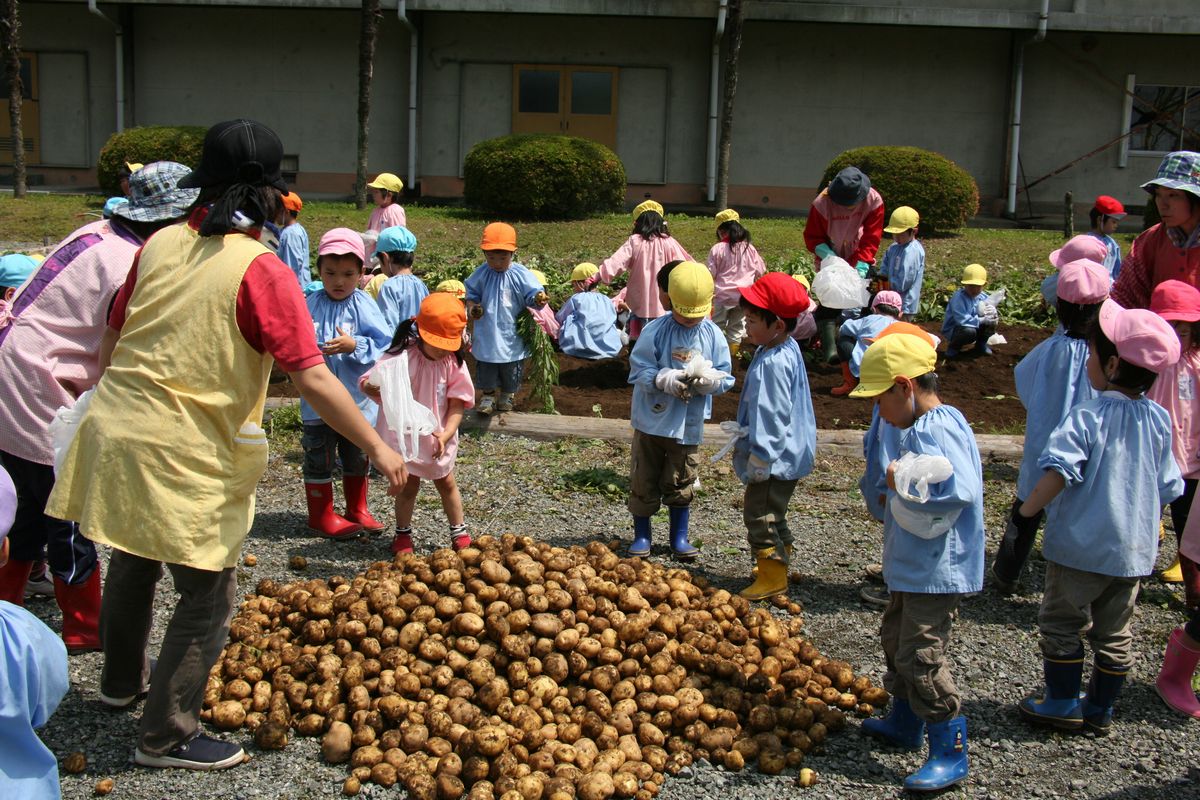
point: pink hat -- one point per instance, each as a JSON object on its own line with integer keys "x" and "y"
{"x": 1142, "y": 337}
{"x": 1176, "y": 301}
{"x": 1082, "y": 246}
{"x": 1084, "y": 282}
{"x": 888, "y": 298}
{"x": 342, "y": 241}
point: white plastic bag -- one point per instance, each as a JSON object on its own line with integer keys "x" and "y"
{"x": 838, "y": 285}
{"x": 996, "y": 338}
{"x": 407, "y": 418}
{"x": 912, "y": 476}
{"x": 700, "y": 367}
{"x": 922, "y": 524}
{"x": 65, "y": 424}
{"x": 997, "y": 297}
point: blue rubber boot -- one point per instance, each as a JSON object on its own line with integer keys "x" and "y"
{"x": 1103, "y": 688}
{"x": 900, "y": 727}
{"x": 681, "y": 548}
{"x": 947, "y": 762}
{"x": 1059, "y": 706}
{"x": 641, "y": 537}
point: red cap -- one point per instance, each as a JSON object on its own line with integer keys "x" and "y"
{"x": 778, "y": 293}
{"x": 1109, "y": 206}
{"x": 1176, "y": 301}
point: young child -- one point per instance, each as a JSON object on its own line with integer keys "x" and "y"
{"x": 734, "y": 263}
{"x": 781, "y": 431}
{"x": 855, "y": 335}
{"x": 806, "y": 323}
{"x": 293, "y": 239}
{"x": 968, "y": 318}
{"x": 385, "y": 194}
{"x": 1077, "y": 248}
{"x": 454, "y": 287}
{"x": 903, "y": 266}
{"x": 668, "y": 413}
{"x": 544, "y": 315}
{"x": 440, "y": 382}
{"x": 1105, "y": 216}
{"x": 1051, "y": 380}
{"x": 926, "y": 574}
{"x": 401, "y": 294}
{"x": 496, "y": 293}
{"x": 15, "y": 269}
{"x": 1175, "y": 390}
{"x": 648, "y": 247}
{"x": 1174, "y": 681}
{"x": 352, "y": 334}
{"x": 1109, "y": 464}
{"x": 588, "y": 321}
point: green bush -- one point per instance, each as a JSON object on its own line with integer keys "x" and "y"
{"x": 943, "y": 193}
{"x": 543, "y": 176}
{"x": 181, "y": 143}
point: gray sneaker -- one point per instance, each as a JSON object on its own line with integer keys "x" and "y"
{"x": 487, "y": 406}
{"x": 877, "y": 596}
{"x": 40, "y": 583}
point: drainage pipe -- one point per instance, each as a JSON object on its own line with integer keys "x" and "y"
{"x": 714, "y": 101}
{"x": 1014, "y": 137}
{"x": 120, "y": 43}
{"x": 413, "y": 38}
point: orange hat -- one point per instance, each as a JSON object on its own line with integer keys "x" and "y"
{"x": 292, "y": 202}
{"x": 442, "y": 320}
{"x": 499, "y": 236}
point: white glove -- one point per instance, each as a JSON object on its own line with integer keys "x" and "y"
{"x": 706, "y": 385}
{"x": 988, "y": 312}
{"x": 670, "y": 381}
{"x": 757, "y": 470}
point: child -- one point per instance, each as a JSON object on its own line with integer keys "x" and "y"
{"x": 497, "y": 291}
{"x": 734, "y": 263}
{"x": 588, "y": 321}
{"x": 926, "y": 574}
{"x": 668, "y": 414}
{"x": 855, "y": 335}
{"x": 806, "y": 323}
{"x": 1105, "y": 216}
{"x": 903, "y": 267}
{"x": 544, "y": 315}
{"x": 1175, "y": 390}
{"x": 648, "y": 247}
{"x": 1174, "y": 682}
{"x": 968, "y": 317}
{"x": 1081, "y": 247}
{"x": 402, "y": 292}
{"x": 352, "y": 334}
{"x": 15, "y": 269}
{"x": 1109, "y": 464}
{"x": 1051, "y": 380}
{"x": 385, "y": 194}
{"x": 454, "y": 287}
{"x": 781, "y": 431}
{"x": 293, "y": 239}
{"x": 440, "y": 382}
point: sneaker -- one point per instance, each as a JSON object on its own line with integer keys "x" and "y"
{"x": 199, "y": 752}
{"x": 40, "y": 583}
{"x": 487, "y": 406}
{"x": 877, "y": 596}
{"x": 505, "y": 403}
{"x": 402, "y": 542}
{"x": 122, "y": 702}
{"x": 460, "y": 541}
{"x": 874, "y": 572}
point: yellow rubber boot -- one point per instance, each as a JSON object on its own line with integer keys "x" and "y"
{"x": 754, "y": 569}
{"x": 770, "y": 576}
{"x": 1173, "y": 573}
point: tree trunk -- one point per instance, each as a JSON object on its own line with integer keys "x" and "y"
{"x": 733, "y": 46}
{"x": 10, "y": 43}
{"x": 366, "y": 65}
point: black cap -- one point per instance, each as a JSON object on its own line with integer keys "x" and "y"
{"x": 238, "y": 151}
{"x": 849, "y": 187}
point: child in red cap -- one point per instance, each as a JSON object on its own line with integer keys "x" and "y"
{"x": 1105, "y": 215}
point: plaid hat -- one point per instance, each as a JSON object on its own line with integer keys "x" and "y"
{"x": 1178, "y": 170}
{"x": 849, "y": 187}
{"x": 777, "y": 292}
{"x": 15, "y": 269}
{"x": 238, "y": 151}
{"x": 1142, "y": 337}
{"x": 890, "y": 357}
{"x": 155, "y": 194}
{"x": 397, "y": 238}
{"x": 8, "y": 504}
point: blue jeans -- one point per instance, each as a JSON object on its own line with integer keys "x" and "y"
{"x": 322, "y": 444}
{"x": 508, "y": 376}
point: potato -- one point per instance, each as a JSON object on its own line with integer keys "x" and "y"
{"x": 298, "y": 563}
{"x": 271, "y": 736}
{"x": 596, "y": 786}
{"x": 490, "y": 740}
{"x": 806, "y": 778}
{"x": 335, "y": 746}
{"x": 103, "y": 786}
{"x": 228, "y": 715}
{"x": 76, "y": 762}
{"x": 351, "y": 787}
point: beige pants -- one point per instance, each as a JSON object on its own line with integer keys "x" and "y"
{"x": 764, "y": 510}
{"x": 1077, "y": 603}
{"x": 915, "y": 633}
{"x": 732, "y": 322}
{"x": 661, "y": 473}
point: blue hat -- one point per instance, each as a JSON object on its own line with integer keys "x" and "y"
{"x": 15, "y": 268}
{"x": 110, "y": 205}
{"x": 1178, "y": 170}
{"x": 396, "y": 239}
{"x": 849, "y": 187}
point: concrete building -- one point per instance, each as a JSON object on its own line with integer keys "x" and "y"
{"x": 816, "y": 77}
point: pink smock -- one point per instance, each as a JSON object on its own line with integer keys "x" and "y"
{"x": 733, "y": 267}
{"x": 1175, "y": 390}
{"x": 643, "y": 258}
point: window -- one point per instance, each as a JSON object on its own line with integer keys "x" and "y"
{"x": 1163, "y": 118}
{"x": 578, "y": 101}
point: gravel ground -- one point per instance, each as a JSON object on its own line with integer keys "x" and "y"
{"x": 568, "y": 492}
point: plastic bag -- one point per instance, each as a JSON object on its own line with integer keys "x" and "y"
{"x": 65, "y": 424}
{"x": 838, "y": 285}
{"x": 407, "y": 418}
{"x": 701, "y": 367}
{"x": 996, "y": 338}
{"x": 997, "y": 297}
{"x": 914, "y": 473}
{"x": 922, "y": 524}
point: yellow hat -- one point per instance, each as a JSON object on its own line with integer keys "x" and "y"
{"x": 803, "y": 281}
{"x": 974, "y": 275}
{"x": 728, "y": 215}
{"x": 890, "y": 357}
{"x": 690, "y": 288}
{"x": 903, "y": 218}
{"x": 133, "y": 166}
{"x": 584, "y": 271}
{"x": 648, "y": 205}
{"x": 453, "y": 287}
{"x": 539, "y": 276}
{"x": 388, "y": 182}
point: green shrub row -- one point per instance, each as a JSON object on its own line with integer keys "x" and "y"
{"x": 182, "y": 143}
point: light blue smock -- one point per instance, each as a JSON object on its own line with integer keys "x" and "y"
{"x": 1112, "y": 259}
{"x": 666, "y": 343}
{"x": 777, "y": 408}
{"x": 358, "y": 316}
{"x": 881, "y": 446}
{"x": 33, "y": 682}
{"x": 400, "y": 298}
{"x": 293, "y": 251}
{"x": 1115, "y": 454}
{"x": 961, "y": 312}
{"x": 904, "y": 267}
{"x": 862, "y": 329}
{"x": 589, "y": 326}
{"x": 503, "y": 295}
{"x": 1051, "y": 380}
{"x": 953, "y": 562}
{"x": 1049, "y": 289}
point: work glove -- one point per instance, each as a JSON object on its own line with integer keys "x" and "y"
{"x": 988, "y": 313}
{"x": 706, "y": 385}
{"x": 541, "y": 298}
{"x": 863, "y": 268}
{"x": 476, "y": 311}
{"x": 823, "y": 251}
{"x": 670, "y": 381}
{"x": 757, "y": 470}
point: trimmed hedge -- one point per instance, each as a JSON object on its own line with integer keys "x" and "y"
{"x": 182, "y": 143}
{"x": 543, "y": 176}
{"x": 943, "y": 193}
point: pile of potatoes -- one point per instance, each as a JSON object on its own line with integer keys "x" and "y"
{"x": 518, "y": 670}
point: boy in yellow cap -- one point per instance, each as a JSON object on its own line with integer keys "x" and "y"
{"x": 384, "y": 192}
{"x": 670, "y": 404}
{"x": 903, "y": 267}
{"x": 969, "y": 317}
{"x": 932, "y": 554}
{"x": 588, "y": 319}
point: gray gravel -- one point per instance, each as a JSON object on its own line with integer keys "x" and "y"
{"x": 518, "y": 485}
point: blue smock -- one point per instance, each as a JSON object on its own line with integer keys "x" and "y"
{"x": 881, "y": 446}
{"x": 1051, "y": 380}
{"x": 777, "y": 408}
{"x": 503, "y": 295}
{"x": 1112, "y": 259}
{"x": 33, "y": 682}
{"x": 666, "y": 343}
{"x": 862, "y": 329}
{"x": 293, "y": 251}
{"x": 589, "y": 326}
{"x": 904, "y": 267}
{"x": 400, "y": 298}
{"x": 961, "y": 312}
{"x": 1115, "y": 454}
{"x": 358, "y": 316}
{"x": 953, "y": 562}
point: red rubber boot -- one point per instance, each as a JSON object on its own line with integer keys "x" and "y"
{"x": 322, "y": 519}
{"x": 80, "y": 606}
{"x": 848, "y": 382}
{"x": 13, "y": 577}
{"x": 355, "y": 487}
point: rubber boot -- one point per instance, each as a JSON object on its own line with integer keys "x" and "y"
{"x": 827, "y": 329}
{"x": 641, "y": 537}
{"x": 770, "y": 578}
{"x": 322, "y": 519}
{"x": 848, "y": 382}
{"x": 1173, "y": 573}
{"x": 1059, "y": 705}
{"x": 402, "y": 541}
{"x": 1019, "y": 536}
{"x": 80, "y": 604}
{"x": 355, "y": 487}
{"x": 1103, "y": 688}
{"x": 901, "y": 727}
{"x": 1174, "y": 682}
{"x": 981, "y": 345}
{"x": 681, "y": 548}
{"x": 13, "y": 577}
{"x": 947, "y": 762}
